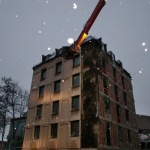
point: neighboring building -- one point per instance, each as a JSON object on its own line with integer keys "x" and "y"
{"x": 143, "y": 125}
{"x": 16, "y": 133}
{"x": 81, "y": 103}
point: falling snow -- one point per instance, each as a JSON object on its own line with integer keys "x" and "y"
{"x": 143, "y": 44}
{"x": 40, "y": 32}
{"x": 48, "y": 48}
{"x": 140, "y": 71}
{"x": 74, "y": 6}
{"x": 70, "y": 40}
{"x": 145, "y": 49}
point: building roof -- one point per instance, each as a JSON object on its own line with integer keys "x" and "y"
{"x": 143, "y": 121}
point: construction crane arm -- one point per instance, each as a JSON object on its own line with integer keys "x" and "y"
{"x": 88, "y": 25}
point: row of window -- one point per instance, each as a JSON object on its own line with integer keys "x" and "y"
{"x": 118, "y": 110}
{"x": 120, "y": 134}
{"x": 57, "y": 85}
{"x": 58, "y": 68}
{"x": 116, "y": 90}
{"x": 55, "y": 108}
{"x": 54, "y": 130}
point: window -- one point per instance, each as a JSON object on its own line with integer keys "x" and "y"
{"x": 57, "y": 86}
{"x": 58, "y": 67}
{"x": 103, "y": 65}
{"x": 43, "y": 74}
{"x": 55, "y": 107}
{"x": 108, "y": 134}
{"x": 76, "y": 80}
{"x": 41, "y": 91}
{"x": 127, "y": 115}
{"x": 75, "y": 103}
{"x": 74, "y": 128}
{"x": 115, "y": 74}
{"x": 120, "y": 133}
{"x": 116, "y": 90}
{"x": 107, "y": 104}
{"x": 54, "y": 129}
{"x": 105, "y": 85}
{"x": 125, "y": 98}
{"x": 129, "y": 135}
{"x": 118, "y": 113}
{"x": 76, "y": 60}
{"x": 36, "y": 132}
{"x": 39, "y": 111}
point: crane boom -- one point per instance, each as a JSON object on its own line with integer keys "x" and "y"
{"x": 88, "y": 25}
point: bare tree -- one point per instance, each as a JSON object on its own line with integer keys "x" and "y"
{"x": 13, "y": 103}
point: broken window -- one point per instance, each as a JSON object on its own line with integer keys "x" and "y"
{"x": 108, "y": 133}
{"x": 107, "y": 104}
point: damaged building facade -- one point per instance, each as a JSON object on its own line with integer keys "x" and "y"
{"x": 81, "y": 103}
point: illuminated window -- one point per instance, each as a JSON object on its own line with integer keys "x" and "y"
{"x": 57, "y": 86}
{"x": 76, "y": 80}
{"x": 39, "y": 111}
{"x": 74, "y": 128}
{"x": 36, "y": 132}
{"x": 54, "y": 129}
{"x": 58, "y": 67}
{"x": 55, "y": 107}
{"x": 43, "y": 74}
{"x": 41, "y": 91}
{"x": 75, "y": 103}
{"x": 76, "y": 60}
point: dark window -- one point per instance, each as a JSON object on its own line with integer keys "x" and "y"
{"x": 57, "y": 86}
{"x": 118, "y": 110}
{"x": 116, "y": 90}
{"x": 41, "y": 91}
{"x": 55, "y": 107}
{"x": 43, "y": 74}
{"x": 39, "y": 111}
{"x": 120, "y": 133}
{"x": 103, "y": 63}
{"x": 36, "y": 132}
{"x": 125, "y": 98}
{"x": 76, "y": 60}
{"x": 105, "y": 82}
{"x": 123, "y": 81}
{"x": 127, "y": 115}
{"x": 74, "y": 128}
{"x": 76, "y": 80}
{"x": 75, "y": 103}
{"x": 129, "y": 135}
{"x": 108, "y": 134}
{"x": 114, "y": 72}
{"x": 107, "y": 104}
{"x": 58, "y": 67}
{"x": 54, "y": 129}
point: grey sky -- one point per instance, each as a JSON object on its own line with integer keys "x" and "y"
{"x": 28, "y": 28}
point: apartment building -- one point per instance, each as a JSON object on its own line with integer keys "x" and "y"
{"x": 81, "y": 103}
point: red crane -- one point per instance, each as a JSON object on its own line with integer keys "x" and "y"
{"x": 70, "y": 51}
{"x": 88, "y": 25}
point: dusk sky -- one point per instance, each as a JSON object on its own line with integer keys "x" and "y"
{"x": 30, "y": 28}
